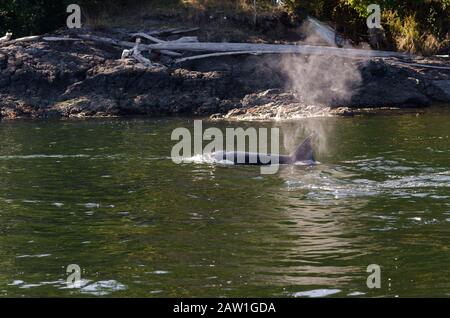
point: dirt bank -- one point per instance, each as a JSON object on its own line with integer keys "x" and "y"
{"x": 77, "y": 79}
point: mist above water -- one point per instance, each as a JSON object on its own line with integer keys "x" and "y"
{"x": 322, "y": 80}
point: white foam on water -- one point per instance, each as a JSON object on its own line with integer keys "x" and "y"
{"x": 103, "y": 288}
{"x": 208, "y": 158}
{"x": 34, "y": 256}
{"x": 317, "y": 293}
{"x": 328, "y": 186}
{"x": 41, "y": 156}
{"x": 306, "y": 163}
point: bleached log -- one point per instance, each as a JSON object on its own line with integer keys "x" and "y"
{"x": 156, "y": 40}
{"x": 135, "y": 53}
{"x": 100, "y": 39}
{"x": 25, "y": 39}
{"x": 204, "y": 56}
{"x": 262, "y": 48}
{"x": 274, "y": 49}
{"x": 55, "y": 39}
{"x": 141, "y": 59}
{"x": 187, "y": 39}
{"x": 146, "y": 36}
{"x": 114, "y": 42}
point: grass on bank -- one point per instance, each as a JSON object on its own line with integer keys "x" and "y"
{"x": 406, "y": 30}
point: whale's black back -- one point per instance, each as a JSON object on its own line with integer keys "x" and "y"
{"x": 252, "y": 158}
{"x": 303, "y": 153}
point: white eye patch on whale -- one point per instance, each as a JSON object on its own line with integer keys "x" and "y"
{"x": 303, "y": 153}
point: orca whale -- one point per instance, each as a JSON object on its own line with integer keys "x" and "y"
{"x": 303, "y": 154}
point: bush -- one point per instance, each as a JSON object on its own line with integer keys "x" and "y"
{"x": 415, "y": 26}
{"x": 30, "y": 17}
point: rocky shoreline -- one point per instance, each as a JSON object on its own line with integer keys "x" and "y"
{"x": 40, "y": 79}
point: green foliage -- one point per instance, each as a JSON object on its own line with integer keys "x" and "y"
{"x": 410, "y": 24}
{"x": 31, "y": 17}
{"x": 28, "y": 17}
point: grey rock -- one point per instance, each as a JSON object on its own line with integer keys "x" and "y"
{"x": 441, "y": 90}
{"x": 84, "y": 79}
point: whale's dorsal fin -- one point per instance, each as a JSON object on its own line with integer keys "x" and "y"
{"x": 304, "y": 152}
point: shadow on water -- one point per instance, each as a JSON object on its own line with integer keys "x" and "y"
{"x": 104, "y": 195}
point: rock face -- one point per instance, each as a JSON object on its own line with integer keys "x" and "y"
{"x": 440, "y": 89}
{"x": 76, "y": 79}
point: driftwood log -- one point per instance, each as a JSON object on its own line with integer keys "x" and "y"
{"x": 156, "y": 40}
{"x": 253, "y": 48}
{"x": 135, "y": 53}
{"x": 225, "y": 49}
{"x": 57, "y": 39}
{"x": 114, "y": 42}
{"x": 24, "y": 39}
{"x": 204, "y": 56}
{"x": 147, "y": 36}
{"x": 172, "y": 31}
{"x": 274, "y": 49}
{"x": 187, "y": 39}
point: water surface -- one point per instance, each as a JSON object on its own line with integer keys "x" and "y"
{"x": 105, "y": 195}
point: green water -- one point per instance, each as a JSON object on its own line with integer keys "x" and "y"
{"x": 105, "y": 195}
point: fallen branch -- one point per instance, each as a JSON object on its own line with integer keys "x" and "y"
{"x": 274, "y": 49}
{"x": 136, "y": 54}
{"x": 156, "y": 40}
{"x": 54, "y": 39}
{"x": 204, "y": 56}
{"x": 104, "y": 40}
{"x": 187, "y": 39}
{"x": 114, "y": 42}
{"x": 24, "y": 39}
{"x": 146, "y": 36}
{"x": 250, "y": 47}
